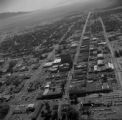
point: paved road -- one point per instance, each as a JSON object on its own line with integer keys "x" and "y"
{"x": 65, "y": 98}
{"x": 76, "y": 57}
{"x": 81, "y": 39}
{"x": 114, "y": 60}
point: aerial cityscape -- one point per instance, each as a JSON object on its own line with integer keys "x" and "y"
{"x": 70, "y": 69}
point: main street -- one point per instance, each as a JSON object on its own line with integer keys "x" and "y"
{"x": 114, "y": 60}
{"x": 65, "y": 98}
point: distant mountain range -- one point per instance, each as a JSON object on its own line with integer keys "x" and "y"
{"x": 15, "y": 22}
{"x": 10, "y": 14}
{"x": 117, "y": 3}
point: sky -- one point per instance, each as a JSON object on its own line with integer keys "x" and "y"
{"x": 30, "y": 5}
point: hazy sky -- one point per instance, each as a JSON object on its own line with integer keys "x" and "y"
{"x": 28, "y": 5}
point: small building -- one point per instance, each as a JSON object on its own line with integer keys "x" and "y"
{"x": 74, "y": 44}
{"x": 95, "y": 68}
{"x": 85, "y": 38}
{"x": 105, "y": 86}
{"x": 45, "y": 91}
{"x": 48, "y": 64}
{"x": 94, "y": 38}
{"x": 102, "y": 43}
{"x": 53, "y": 69}
{"x": 47, "y": 85}
{"x": 110, "y": 65}
{"x": 30, "y": 107}
{"x": 100, "y": 62}
{"x": 100, "y": 55}
{"x": 57, "y": 61}
{"x": 24, "y": 68}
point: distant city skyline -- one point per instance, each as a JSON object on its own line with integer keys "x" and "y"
{"x": 30, "y": 5}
